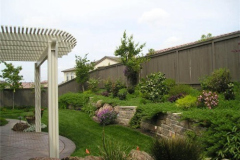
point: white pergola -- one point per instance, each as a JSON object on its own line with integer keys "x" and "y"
{"x": 37, "y": 45}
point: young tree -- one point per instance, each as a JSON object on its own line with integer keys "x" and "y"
{"x": 11, "y": 77}
{"x": 82, "y": 69}
{"x": 205, "y": 37}
{"x": 129, "y": 53}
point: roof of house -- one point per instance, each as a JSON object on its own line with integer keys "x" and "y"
{"x": 116, "y": 59}
{"x": 31, "y": 84}
{"x": 70, "y": 69}
{"x": 191, "y": 43}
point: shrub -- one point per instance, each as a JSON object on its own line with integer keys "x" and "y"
{"x": 175, "y": 97}
{"x": 208, "y": 99}
{"x": 122, "y": 94}
{"x": 232, "y": 147}
{"x": 130, "y": 89}
{"x": 3, "y": 121}
{"x": 116, "y": 86}
{"x": 112, "y": 150}
{"x": 170, "y": 83}
{"x": 218, "y": 81}
{"x": 106, "y": 116}
{"x": 229, "y": 93}
{"x": 105, "y": 93}
{"x": 153, "y": 87}
{"x": 176, "y": 149}
{"x": 186, "y": 102}
{"x": 222, "y": 138}
{"x": 108, "y": 85}
{"x": 180, "y": 88}
{"x": 74, "y": 99}
{"x": 89, "y": 109}
{"x": 93, "y": 84}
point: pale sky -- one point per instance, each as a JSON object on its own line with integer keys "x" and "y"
{"x": 98, "y": 25}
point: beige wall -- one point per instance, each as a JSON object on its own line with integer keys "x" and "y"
{"x": 105, "y": 62}
{"x": 69, "y": 75}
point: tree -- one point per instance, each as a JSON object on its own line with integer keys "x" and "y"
{"x": 129, "y": 53}
{"x": 205, "y": 37}
{"x": 82, "y": 69}
{"x": 11, "y": 77}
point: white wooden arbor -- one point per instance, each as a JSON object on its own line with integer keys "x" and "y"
{"x": 38, "y": 45}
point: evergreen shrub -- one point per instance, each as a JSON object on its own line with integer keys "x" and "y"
{"x": 73, "y": 99}
{"x": 186, "y": 102}
{"x": 153, "y": 87}
{"x": 218, "y": 81}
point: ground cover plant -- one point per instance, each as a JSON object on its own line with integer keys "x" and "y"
{"x": 3, "y": 121}
{"x": 87, "y": 134}
{"x": 73, "y": 99}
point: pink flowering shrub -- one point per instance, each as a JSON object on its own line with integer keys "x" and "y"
{"x": 106, "y": 116}
{"x": 208, "y": 99}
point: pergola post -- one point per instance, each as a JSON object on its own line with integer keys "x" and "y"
{"x": 37, "y": 98}
{"x": 53, "y": 129}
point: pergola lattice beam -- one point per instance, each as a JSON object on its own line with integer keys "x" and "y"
{"x": 31, "y": 42}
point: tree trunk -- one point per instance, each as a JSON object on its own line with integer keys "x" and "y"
{"x": 83, "y": 87}
{"x": 13, "y": 98}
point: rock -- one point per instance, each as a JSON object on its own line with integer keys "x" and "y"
{"x": 20, "y": 126}
{"x": 86, "y": 158}
{"x": 43, "y": 158}
{"x": 95, "y": 119}
{"x": 116, "y": 109}
{"x": 99, "y": 103}
{"x": 139, "y": 155}
{"x": 107, "y": 106}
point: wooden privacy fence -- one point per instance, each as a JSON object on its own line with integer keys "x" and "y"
{"x": 186, "y": 63}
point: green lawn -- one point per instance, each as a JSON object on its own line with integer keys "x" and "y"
{"x": 86, "y": 133}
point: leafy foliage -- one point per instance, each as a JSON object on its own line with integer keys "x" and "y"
{"x": 112, "y": 150}
{"x": 218, "y": 81}
{"x": 73, "y": 99}
{"x": 232, "y": 147}
{"x": 229, "y": 93}
{"x": 129, "y": 53}
{"x": 105, "y": 93}
{"x": 205, "y": 37}
{"x": 186, "y": 102}
{"x": 179, "y": 89}
{"x": 82, "y": 69}
{"x": 208, "y": 99}
{"x": 106, "y": 116}
{"x": 108, "y": 85}
{"x": 11, "y": 77}
{"x": 116, "y": 86}
{"x": 122, "y": 94}
{"x": 3, "y": 121}
{"x": 93, "y": 84}
{"x": 175, "y": 97}
{"x": 153, "y": 87}
{"x": 176, "y": 149}
{"x": 169, "y": 83}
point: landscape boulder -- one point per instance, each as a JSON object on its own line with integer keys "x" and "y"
{"x": 20, "y": 126}
{"x": 99, "y": 103}
{"x": 85, "y": 158}
{"x": 139, "y": 155}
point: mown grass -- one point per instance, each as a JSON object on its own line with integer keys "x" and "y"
{"x": 87, "y": 134}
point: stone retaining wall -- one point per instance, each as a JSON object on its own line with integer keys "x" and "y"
{"x": 125, "y": 113}
{"x": 169, "y": 125}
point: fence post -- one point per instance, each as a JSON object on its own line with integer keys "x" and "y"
{"x": 213, "y": 56}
